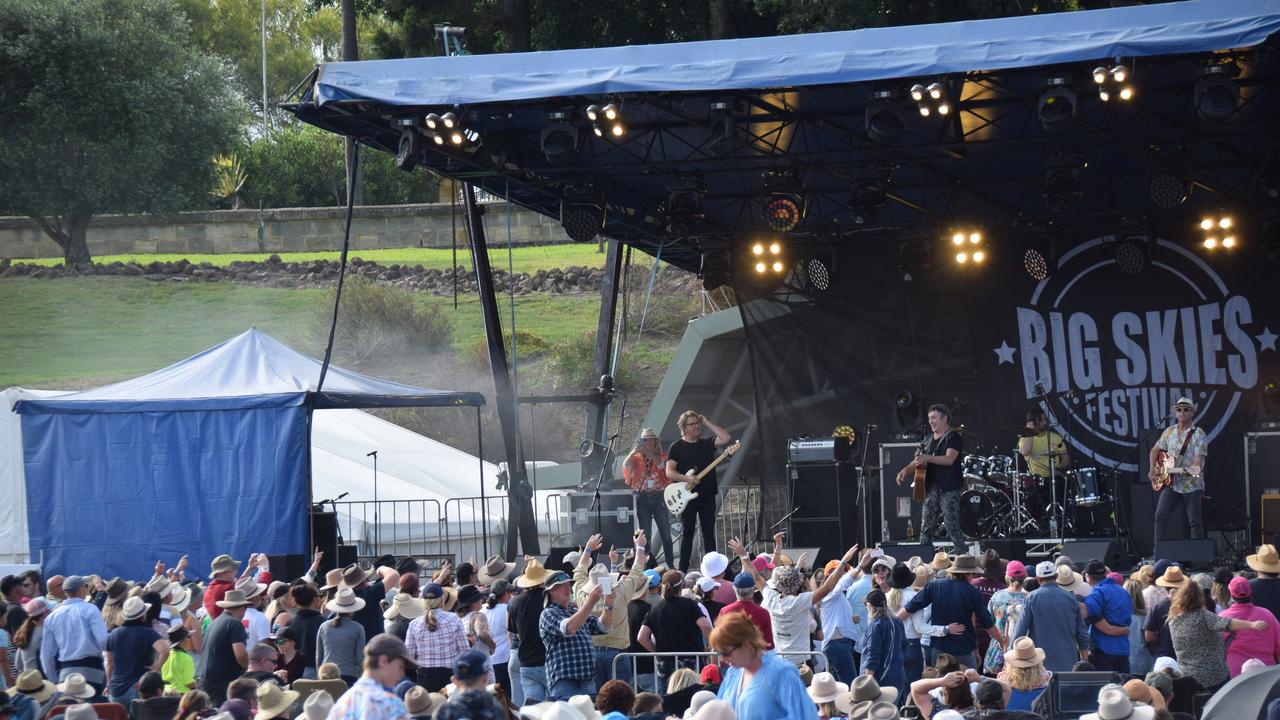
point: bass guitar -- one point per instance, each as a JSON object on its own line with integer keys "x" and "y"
{"x": 678, "y": 495}
{"x": 1166, "y": 468}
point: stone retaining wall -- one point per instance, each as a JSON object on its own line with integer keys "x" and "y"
{"x": 283, "y": 230}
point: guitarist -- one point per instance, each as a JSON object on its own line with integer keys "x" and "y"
{"x": 685, "y": 458}
{"x": 940, "y": 456}
{"x": 1187, "y": 445}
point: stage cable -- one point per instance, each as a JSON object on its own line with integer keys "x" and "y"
{"x": 648, "y": 295}
{"x": 511, "y": 293}
{"x": 453, "y": 218}
{"x": 342, "y": 264}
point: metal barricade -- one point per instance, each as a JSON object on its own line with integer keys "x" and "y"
{"x": 692, "y": 660}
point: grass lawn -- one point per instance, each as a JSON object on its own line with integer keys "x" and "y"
{"x": 82, "y": 332}
{"x": 528, "y": 259}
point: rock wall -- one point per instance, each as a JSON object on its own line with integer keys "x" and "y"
{"x": 283, "y": 230}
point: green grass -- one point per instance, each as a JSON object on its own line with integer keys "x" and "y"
{"x": 81, "y": 332}
{"x": 528, "y": 259}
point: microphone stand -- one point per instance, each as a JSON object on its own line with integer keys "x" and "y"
{"x": 377, "y": 522}
{"x": 1053, "y": 475}
{"x": 862, "y": 487}
{"x": 604, "y": 468}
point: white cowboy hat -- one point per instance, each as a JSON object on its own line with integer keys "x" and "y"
{"x": 76, "y": 686}
{"x": 345, "y": 601}
{"x": 134, "y": 609}
{"x": 824, "y": 688}
{"x": 1114, "y": 704}
{"x": 404, "y": 605}
{"x": 1024, "y": 653}
{"x": 318, "y": 705}
{"x": 714, "y": 564}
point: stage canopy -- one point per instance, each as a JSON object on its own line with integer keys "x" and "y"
{"x": 206, "y": 456}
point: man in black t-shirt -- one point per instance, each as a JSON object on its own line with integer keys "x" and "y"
{"x": 687, "y": 456}
{"x": 523, "y": 613}
{"x": 225, "y": 657}
{"x": 943, "y": 481}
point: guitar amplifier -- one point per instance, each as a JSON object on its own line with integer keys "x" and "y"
{"x": 817, "y": 450}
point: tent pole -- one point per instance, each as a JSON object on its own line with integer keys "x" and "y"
{"x": 484, "y": 503}
{"x": 519, "y": 500}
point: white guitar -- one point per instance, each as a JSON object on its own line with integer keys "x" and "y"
{"x": 678, "y": 495}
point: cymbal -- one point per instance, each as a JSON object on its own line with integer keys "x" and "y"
{"x": 1017, "y": 430}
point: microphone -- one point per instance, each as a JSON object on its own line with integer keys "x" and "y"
{"x": 371, "y": 454}
{"x": 613, "y": 437}
{"x": 872, "y": 426}
{"x": 341, "y": 496}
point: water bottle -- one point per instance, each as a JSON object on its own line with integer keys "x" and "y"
{"x": 911, "y": 532}
{"x": 1053, "y": 526}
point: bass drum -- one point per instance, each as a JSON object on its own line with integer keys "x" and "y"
{"x": 985, "y": 511}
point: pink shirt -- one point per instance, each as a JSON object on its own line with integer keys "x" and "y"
{"x": 1262, "y": 645}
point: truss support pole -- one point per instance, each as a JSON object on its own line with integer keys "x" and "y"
{"x": 598, "y": 409}
{"x": 522, "y": 524}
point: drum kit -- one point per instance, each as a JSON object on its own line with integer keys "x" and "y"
{"x": 1002, "y": 499}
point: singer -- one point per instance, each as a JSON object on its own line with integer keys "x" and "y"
{"x": 646, "y": 474}
{"x": 685, "y": 458}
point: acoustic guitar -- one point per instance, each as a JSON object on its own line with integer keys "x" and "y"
{"x": 1166, "y": 468}
{"x": 678, "y": 495}
{"x": 917, "y": 483}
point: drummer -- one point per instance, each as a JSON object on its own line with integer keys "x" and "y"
{"x": 1042, "y": 444}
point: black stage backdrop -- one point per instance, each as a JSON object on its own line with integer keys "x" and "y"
{"x": 980, "y": 338}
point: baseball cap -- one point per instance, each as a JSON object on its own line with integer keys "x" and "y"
{"x": 1164, "y": 662}
{"x": 1046, "y": 569}
{"x": 390, "y": 646}
{"x": 655, "y": 578}
{"x": 763, "y": 562}
{"x": 1160, "y": 681}
{"x": 1015, "y": 568}
{"x": 707, "y": 584}
{"x": 1161, "y": 566}
{"x": 432, "y": 591}
{"x": 1239, "y": 588}
{"x": 470, "y": 664}
{"x": 744, "y": 581}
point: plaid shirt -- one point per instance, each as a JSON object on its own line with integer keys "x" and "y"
{"x": 367, "y": 700}
{"x": 569, "y": 657}
{"x": 440, "y": 648}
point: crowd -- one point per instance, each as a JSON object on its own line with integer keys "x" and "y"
{"x": 612, "y": 635}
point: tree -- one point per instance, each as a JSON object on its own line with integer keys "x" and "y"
{"x": 104, "y": 107}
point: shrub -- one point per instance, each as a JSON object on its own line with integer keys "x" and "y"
{"x": 376, "y": 321}
{"x": 570, "y": 365}
{"x": 528, "y": 345}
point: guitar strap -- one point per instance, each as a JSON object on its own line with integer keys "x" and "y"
{"x": 1186, "y": 441}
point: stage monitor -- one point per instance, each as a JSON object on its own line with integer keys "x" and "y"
{"x": 1072, "y": 694}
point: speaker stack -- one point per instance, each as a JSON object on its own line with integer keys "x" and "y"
{"x": 825, "y": 498}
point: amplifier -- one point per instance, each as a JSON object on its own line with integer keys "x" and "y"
{"x": 817, "y": 450}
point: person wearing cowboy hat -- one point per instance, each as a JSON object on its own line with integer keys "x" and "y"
{"x": 256, "y": 624}
{"x": 1265, "y": 588}
{"x": 225, "y": 655}
{"x": 468, "y": 607}
{"x": 222, "y": 579}
{"x": 131, "y": 650}
{"x": 421, "y": 704}
{"x": 523, "y": 613}
{"x": 1187, "y": 446}
{"x": 1024, "y": 674}
{"x": 618, "y": 637}
{"x": 402, "y": 611}
{"x": 824, "y": 689}
{"x": 371, "y": 587}
{"x": 1051, "y": 618}
{"x": 74, "y": 635}
{"x": 386, "y": 662}
{"x": 495, "y": 569}
{"x": 955, "y": 602}
{"x": 341, "y": 640}
{"x": 566, "y": 631}
{"x": 1155, "y": 629}
{"x": 645, "y": 472}
{"x": 1114, "y": 704}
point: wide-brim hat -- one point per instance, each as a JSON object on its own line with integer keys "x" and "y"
{"x": 865, "y": 688}
{"x": 116, "y": 590}
{"x": 157, "y": 585}
{"x": 332, "y": 579}
{"x": 273, "y": 701}
{"x": 1266, "y": 560}
{"x": 177, "y": 635}
{"x": 965, "y": 564}
{"x": 345, "y": 602}
{"x": 134, "y": 609}
{"x": 1023, "y": 653}
{"x": 178, "y": 599}
{"x": 404, "y": 605}
{"x": 252, "y": 590}
{"x": 80, "y": 711}
{"x": 533, "y": 575}
{"x": 941, "y": 561}
{"x": 76, "y": 686}
{"x": 824, "y": 688}
{"x": 418, "y": 701}
{"x": 713, "y": 564}
{"x": 233, "y": 599}
{"x": 648, "y": 434}
{"x": 495, "y": 569}
{"x": 317, "y": 705}
{"x": 449, "y": 600}
{"x": 1184, "y": 402}
{"x": 1072, "y": 582}
{"x": 1114, "y": 704}
{"x": 32, "y": 684}
{"x": 353, "y": 575}
{"x": 223, "y": 563}
{"x": 1172, "y": 578}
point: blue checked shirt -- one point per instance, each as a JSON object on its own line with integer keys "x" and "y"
{"x": 569, "y": 657}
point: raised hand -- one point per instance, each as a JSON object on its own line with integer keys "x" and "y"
{"x": 735, "y": 546}
{"x": 595, "y": 542}
{"x": 613, "y": 556}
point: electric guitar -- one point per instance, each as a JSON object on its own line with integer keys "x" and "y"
{"x": 1166, "y": 469}
{"x": 678, "y": 495}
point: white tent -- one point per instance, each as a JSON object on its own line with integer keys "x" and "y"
{"x": 13, "y": 485}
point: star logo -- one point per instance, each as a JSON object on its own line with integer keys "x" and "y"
{"x": 1267, "y": 340}
{"x": 1005, "y": 353}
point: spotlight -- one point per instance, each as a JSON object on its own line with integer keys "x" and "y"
{"x": 593, "y": 113}
{"x": 818, "y": 271}
{"x": 684, "y": 202}
{"x": 1216, "y": 92}
{"x": 885, "y": 119}
{"x": 581, "y": 213}
{"x": 784, "y": 201}
{"x": 1041, "y": 256}
{"x": 1168, "y": 185}
{"x": 914, "y": 257}
{"x": 1036, "y": 265}
{"x": 968, "y": 246}
{"x": 957, "y": 239}
{"x": 819, "y": 276}
{"x": 560, "y": 140}
{"x": 979, "y": 256}
{"x": 962, "y": 257}
{"x": 434, "y": 122}
{"x": 410, "y": 149}
{"x": 721, "y": 129}
{"x": 456, "y": 137}
{"x": 930, "y": 99}
{"x": 1057, "y": 102}
{"x": 437, "y": 138}
{"x": 1062, "y": 182}
{"x": 606, "y": 121}
{"x": 768, "y": 258}
{"x": 1131, "y": 256}
{"x": 1112, "y": 82}
{"x": 917, "y": 92}
{"x": 610, "y": 112}
{"x": 449, "y": 120}
{"x": 1219, "y": 231}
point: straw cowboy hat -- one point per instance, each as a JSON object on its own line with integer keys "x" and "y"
{"x": 32, "y": 684}
{"x": 533, "y": 575}
{"x": 273, "y": 701}
{"x": 941, "y": 561}
{"x": 332, "y": 579}
{"x": 250, "y": 588}
{"x": 233, "y": 599}
{"x": 495, "y": 569}
{"x": 76, "y": 686}
{"x": 420, "y": 702}
{"x": 824, "y": 688}
{"x": 1266, "y": 560}
{"x": 157, "y": 585}
{"x": 1114, "y": 704}
{"x": 1071, "y": 581}
{"x": 1184, "y": 402}
{"x": 404, "y": 605}
{"x": 1023, "y": 653}
{"x": 345, "y": 602}
{"x": 865, "y": 688}
{"x": 353, "y": 575}
{"x": 965, "y": 564}
{"x": 318, "y": 704}
{"x": 223, "y": 563}
{"x": 1172, "y": 578}
{"x": 134, "y": 609}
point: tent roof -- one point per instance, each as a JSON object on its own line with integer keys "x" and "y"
{"x": 869, "y": 54}
{"x": 251, "y": 369}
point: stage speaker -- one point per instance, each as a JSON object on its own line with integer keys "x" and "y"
{"x": 1008, "y": 548}
{"x": 905, "y": 551}
{"x": 1270, "y": 527}
{"x": 555, "y": 557}
{"x": 1190, "y": 554}
{"x": 1082, "y": 551}
{"x": 346, "y": 555}
{"x": 1261, "y": 458}
{"x": 324, "y": 535}
{"x": 1072, "y": 694}
{"x": 288, "y": 567}
{"x": 825, "y": 498}
{"x": 616, "y": 522}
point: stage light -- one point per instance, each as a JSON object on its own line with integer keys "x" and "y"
{"x": 433, "y": 122}
{"x": 617, "y": 130}
{"x": 437, "y": 138}
{"x": 456, "y": 137}
{"x": 957, "y": 239}
{"x": 721, "y": 128}
{"x": 684, "y": 203}
{"x": 1229, "y": 241}
{"x": 885, "y": 119}
{"x": 449, "y": 120}
{"x": 1119, "y": 73}
{"x": 761, "y": 267}
{"x": 917, "y": 92}
{"x": 410, "y": 149}
{"x": 1206, "y": 224}
{"x": 599, "y": 131}
{"x": 935, "y": 91}
{"x": 914, "y": 257}
{"x": 818, "y": 272}
{"x": 1100, "y": 75}
{"x": 1168, "y": 185}
{"x": 768, "y": 258}
{"x": 979, "y": 256}
{"x": 593, "y": 113}
{"x": 1126, "y": 93}
{"x": 1218, "y": 231}
{"x": 560, "y": 140}
{"x": 975, "y": 238}
{"x": 1131, "y": 258}
{"x": 930, "y": 99}
{"x": 1210, "y": 243}
{"x": 1062, "y": 182}
{"x": 611, "y": 112}
{"x": 1113, "y": 82}
{"x": 581, "y": 213}
{"x": 1036, "y": 265}
{"x": 783, "y": 204}
{"x": 962, "y": 258}
{"x": 924, "y": 111}
{"x": 967, "y": 245}
{"x": 865, "y": 200}
{"x": 1057, "y": 102}
{"x": 757, "y": 249}
{"x": 819, "y": 276}
{"x": 1225, "y": 222}
{"x": 777, "y": 266}
{"x": 943, "y": 108}
{"x": 775, "y": 248}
